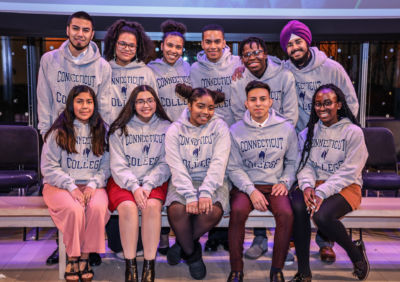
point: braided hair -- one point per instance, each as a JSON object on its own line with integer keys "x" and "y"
{"x": 343, "y": 112}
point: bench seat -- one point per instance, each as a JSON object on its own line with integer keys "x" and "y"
{"x": 33, "y": 212}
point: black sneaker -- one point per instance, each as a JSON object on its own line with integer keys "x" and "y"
{"x": 361, "y": 268}
{"x": 174, "y": 254}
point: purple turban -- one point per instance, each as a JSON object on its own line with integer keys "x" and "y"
{"x": 297, "y": 28}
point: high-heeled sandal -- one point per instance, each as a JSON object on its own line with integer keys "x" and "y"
{"x": 86, "y": 270}
{"x": 72, "y": 272}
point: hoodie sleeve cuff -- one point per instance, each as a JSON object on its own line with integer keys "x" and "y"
{"x": 249, "y": 189}
{"x": 147, "y": 186}
{"x": 92, "y": 184}
{"x": 305, "y": 185}
{"x": 205, "y": 194}
{"x": 133, "y": 187}
{"x": 191, "y": 199}
{"x": 72, "y": 187}
{"x": 320, "y": 192}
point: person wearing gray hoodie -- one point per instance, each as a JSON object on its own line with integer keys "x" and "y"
{"x": 330, "y": 179}
{"x": 139, "y": 176}
{"x": 311, "y": 69}
{"x": 197, "y": 150}
{"x": 262, "y": 167}
{"x": 270, "y": 70}
{"x": 75, "y": 167}
{"x": 171, "y": 69}
{"x": 77, "y": 61}
{"x": 128, "y": 49}
{"x": 214, "y": 68}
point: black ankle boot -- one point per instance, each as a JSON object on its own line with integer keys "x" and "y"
{"x": 197, "y": 268}
{"x": 148, "y": 271}
{"x": 131, "y": 272}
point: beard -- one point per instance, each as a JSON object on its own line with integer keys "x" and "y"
{"x": 79, "y": 48}
{"x": 303, "y": 61}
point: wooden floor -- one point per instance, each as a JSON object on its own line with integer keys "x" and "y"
{"x": 25, "y": 261}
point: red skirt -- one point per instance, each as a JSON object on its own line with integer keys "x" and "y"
{"x": 117, "y": 195}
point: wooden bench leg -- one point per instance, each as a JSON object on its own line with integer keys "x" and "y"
{"x": 61, "y": 256}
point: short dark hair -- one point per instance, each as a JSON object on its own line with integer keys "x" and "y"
{"x": 80, "y": 15}
{"x": 251, "y": 40}
{"x": 257, "y": 84}
{"x": 212, "y": 27}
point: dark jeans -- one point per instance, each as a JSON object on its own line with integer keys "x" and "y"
{"x": 241, "y": 206}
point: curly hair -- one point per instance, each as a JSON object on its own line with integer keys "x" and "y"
{"x": 250, "y": 40}
{"x": 171, "y": 27}
{"x": 343, "y": 112}
{"x": 145, "y": 47}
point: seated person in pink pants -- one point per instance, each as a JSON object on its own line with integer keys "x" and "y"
{"x": 75, "y": 166}
{"x": 262, "y": 167}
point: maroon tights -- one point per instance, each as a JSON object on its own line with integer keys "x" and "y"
{"x": 188, "y": 228}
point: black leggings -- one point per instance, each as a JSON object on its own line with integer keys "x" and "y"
{"x": 189, "y": 228}
{"x": 328, "y": 223}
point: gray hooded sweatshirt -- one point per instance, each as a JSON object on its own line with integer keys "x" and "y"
{"x": 216, "y": 76}
{"x": 167, "y": 77}
{"x": 124, "y": 79}
{"x": 138, "y": 159}
{"x": 321, "y": 70}
{"x": 59, "y": 72}
{"x": 65, "y": 170}
{"x": 263, "y": 155}
{"x": 283, "y": 91}
{"x": 338, "y": 155}
{"x": 197, "y": 153}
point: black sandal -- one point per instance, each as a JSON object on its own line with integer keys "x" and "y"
{"x": 86, "y": 270}
{"x": 72, "y": 272}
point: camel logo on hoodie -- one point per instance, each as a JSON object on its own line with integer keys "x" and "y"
{"x": 261, "y": 156}
{"x": 324, "y": 153}
{"x": 145, "y": 151}
{"x": 123, "y": 91}
{"x": 302, "y": 96}
{"x": 196, "y": 154}
{"x": 86, "y": 152}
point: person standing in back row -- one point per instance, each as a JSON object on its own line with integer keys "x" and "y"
{"x": 213, "y": 70}
{"x": 311, "y": 69}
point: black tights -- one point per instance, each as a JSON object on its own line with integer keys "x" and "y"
{"x": 188, "y": 228}
{"x": 328, "y": 223}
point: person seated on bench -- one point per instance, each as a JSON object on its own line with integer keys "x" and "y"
{"x": 75, "y": 167}
{"x": 262, "y": 166}
{"x": 139, "y": 176}
{"x": 329, "y": 176}
{"x": 197, "y": 151}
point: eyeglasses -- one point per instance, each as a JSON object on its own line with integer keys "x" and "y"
{"x": 124, "y": 45}
{"x": 326, "y": 104}
{"x": 141, "y": 102}
{"x": 255, "y": 53}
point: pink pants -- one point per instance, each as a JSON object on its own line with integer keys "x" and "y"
{"x": 82, "y": 228}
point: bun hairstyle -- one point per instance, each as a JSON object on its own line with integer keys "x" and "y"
{"x": 145, "y": 47}
{"x": 192, "y": 94}
{"x": 171, "y": 27}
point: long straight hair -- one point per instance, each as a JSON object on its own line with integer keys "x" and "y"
{"x": 129, "y": 110}
{"x": 64, "y": 125}
{"x": 342, "y": 113}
